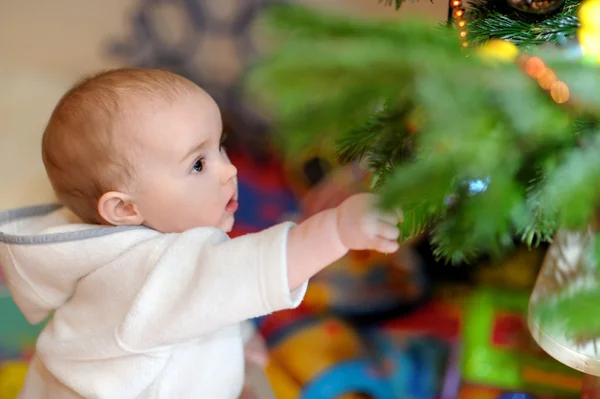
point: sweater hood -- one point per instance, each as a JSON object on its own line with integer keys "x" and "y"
{"x": 45, "y": 251}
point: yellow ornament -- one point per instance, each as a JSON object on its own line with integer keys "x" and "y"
{"x": 12, "y": 377}
{"x": 589, "y": 40}
{"x": 588, "y": 34}
{"x": 498, "y": 50}
{"x": 589, "y": 14}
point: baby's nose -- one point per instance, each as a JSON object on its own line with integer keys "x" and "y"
{"x": 229, "y": 172}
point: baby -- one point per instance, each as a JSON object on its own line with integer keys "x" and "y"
{"x": 144, "y": 290}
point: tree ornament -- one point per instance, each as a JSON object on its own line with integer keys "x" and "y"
{"x": 538, "y": 7}
{"x": 563, "y": 300}
{"x": 588, "y": 34}
{"x": 498, "y": 50}
{"x": 559, "y": 92}
{"x": 589, "y": 14}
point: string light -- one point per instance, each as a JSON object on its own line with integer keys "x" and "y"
{"x": 546, "y": 78}
{"x": 533, "y": 66}
{"x": 559, "y": 92}
{"x": 458, "y": 14}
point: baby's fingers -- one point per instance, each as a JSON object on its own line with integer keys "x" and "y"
{"x": 385, "y": 246}
{"x": 391, "y": 217}
{"x": 387, "y": 231}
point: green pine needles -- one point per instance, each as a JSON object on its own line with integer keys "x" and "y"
{"x": 495, "y": 20}
{"x": 471, "y": 150}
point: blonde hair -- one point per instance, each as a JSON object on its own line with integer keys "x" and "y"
{"x": 82, "y": 145}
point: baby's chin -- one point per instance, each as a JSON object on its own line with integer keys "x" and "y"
{"x": 227, "y": 225}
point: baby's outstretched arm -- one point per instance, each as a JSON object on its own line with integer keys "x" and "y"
{"x": 198, "y": 282}
{"x": 327, "y": 236}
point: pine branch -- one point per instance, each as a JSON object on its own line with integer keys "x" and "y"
{"x": 545, "y": 218}
{"x": 483, "y": 218}
{"x": 356, "y": 144}
{"x": 306, "y": 111}
{"x": 380, "y": 131}
{"x": 476, "y": 120}
{"x": 292, "y": 21}
{"x": 394, "y": 145}
{"x": 572, "y": 187}
{"x": 448, "y": 250}
{"x": 417, "y": 220}
{"x": 542, "y": 227}
{"x": 486, "y": 21}
{"x": 299, "y": 99}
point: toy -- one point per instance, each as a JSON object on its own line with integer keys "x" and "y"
{"x": 320, "y": 358}
{"x": 499, "y": 351}
{"x": 17, "y": 343}
{"x": 316, "y": 175}
{"x": 366, "y": 286}
{"x": 439, "y": 318}
{"x": 282, "y": 383}
{"x": 452, "y": 378}
{"x": 414, "y": 365}
{"x": 264, "y": 197}
{"x": 12, "y": 377}
{"x": 469, "y": 391}
{"x": 479, "y": 392}
{"x": 421, "y": 351}
{"x": 17, "y": 336}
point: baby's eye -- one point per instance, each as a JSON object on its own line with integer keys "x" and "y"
{"x": 198, "y": 166}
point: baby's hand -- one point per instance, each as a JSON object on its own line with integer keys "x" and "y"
{"x": 256, "y": 351}
{"x": 363, "y": 227}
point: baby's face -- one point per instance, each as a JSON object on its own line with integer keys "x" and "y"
{"x": 183, "y": 177}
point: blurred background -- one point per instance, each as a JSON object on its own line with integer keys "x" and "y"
{"x": 47, "y": 46}
{"x": 372, "y": 326}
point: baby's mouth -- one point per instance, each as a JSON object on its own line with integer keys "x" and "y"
{"x": 232, "y": 205}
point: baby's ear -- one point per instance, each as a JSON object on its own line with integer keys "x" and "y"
{"x": 119, "y": 209}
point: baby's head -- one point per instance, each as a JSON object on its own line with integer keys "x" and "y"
{"x": 141, "y": 147}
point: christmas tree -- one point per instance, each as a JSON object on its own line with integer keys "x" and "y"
{"x": 473, "y": 148}
{"x": 479, "y": 132}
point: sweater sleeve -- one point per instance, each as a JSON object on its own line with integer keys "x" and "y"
{"x": 200, "y": 281}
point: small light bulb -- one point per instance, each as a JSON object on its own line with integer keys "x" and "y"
{"x": 547, "y": 79}
{"x": 560, "y": 92}
{"x": 534, "y": 67}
